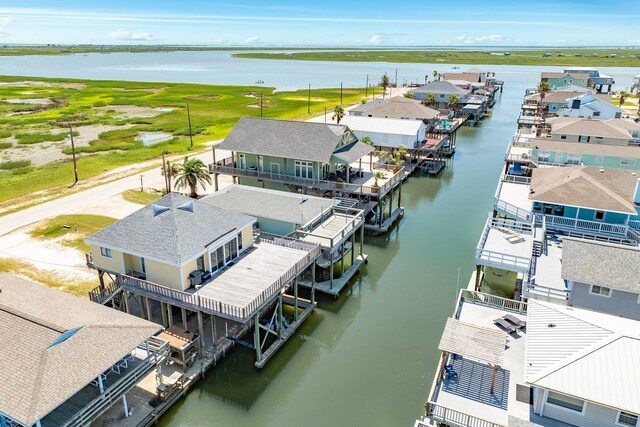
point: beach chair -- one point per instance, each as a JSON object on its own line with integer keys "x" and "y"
{"x": 507, "y": 326}
{"x": 520, "y": 324}
{"x": 450, "y": 372}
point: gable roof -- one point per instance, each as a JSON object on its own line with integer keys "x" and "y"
{"x": 582, "y": 186}
{"x": 565, "y": 342}
{"x": 441, "y": 88}
{"x": 593, "y": 103}
{"x": 554, "y": 75}
{"x": 272, "y": 204}
{"x": 285, "y": 138}
{"x": 175, "y": 235}
{"x": 362, "y": 108}
{"x": 623, "y": 151}
{"x": 475, "y": 70}
{"x": 383, "y": 125}
{"x": 603, "y": 264}
{"x": 564, "y": 96}
{"x": 606, "y": 128}
{"x": 37, "y": 376}
{"x": 399, "y": 106}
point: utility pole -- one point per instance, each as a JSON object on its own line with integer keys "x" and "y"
{"x": 260, "y": 104}
{"x": 325, "y": 114}
{"x": 189, "y": 118}
{"x": 167, "y": 182}
{"x": 309, "y": 101}
{"x": 73, "y": 152}
{"x": 366, "y": 90}
{"x": 396, "y": 77}
{"x": 340, "y": 93}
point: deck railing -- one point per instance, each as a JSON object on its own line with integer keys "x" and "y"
{"x": 635, "y": 224}
{"x": 515, "y": 179}
{"x": 545, "y": 291}
{"x": 493, "y": 301}
{"x": 196, "y": 302}
{"x": 159, "y": 349}
{"x": 352, "y": 221}
{"x": 227, "y": 167}
{"x": 511, "y": 210}
{"x": 453, "y": 418}
{"x": 101, "y": 294}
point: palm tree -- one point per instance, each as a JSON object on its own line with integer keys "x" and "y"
{"x": 452, "y": 103}
{"x": 435, "y": 74}
{"x": 172, "y": 170}
{"x": 338, "y": 113}
{"x": 429, "y": 100}
{"x": 368, "y": 141}
{"x": 543, "y": 88}
{"x": 384, "y": 82}
{"x": 409, "y": 95}
{"x": 623, "y": 95}
{"x": 192, "y": 172}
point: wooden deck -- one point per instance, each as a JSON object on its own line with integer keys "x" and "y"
{"x": 338, "y": 284}
{"x": 333, "y": 230}
{"x": 386, "y": 224}
{"x": 241, "y": 284}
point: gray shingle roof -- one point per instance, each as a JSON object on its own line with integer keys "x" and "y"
{"x": 175, "y": 235}
{"x": 399, "y": 106}
{"x": 270, "y": 204}
{"x": 284, "y": 138}
{"x": 367, "y": 106}
{"x": 37, "y": 378}
{"x": 603, "y": 264}
{"x": 352, "y": 152}
{"x": 441, "y": 88}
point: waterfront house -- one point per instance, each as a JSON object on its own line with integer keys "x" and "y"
{"x": 636, "y": 84}
{"x": 442, "y": 90}
{"x": 65, "y": 361}
{"x": 474, "y": 78}
{"x": 400, "y": 107}
{"x": 474, "y": 70}
{"x": 590, "y": 106}
{"x": 602, "y": 83}
{"x": 184, "y": 253}
{"x": 558, "y": 153}
{"x": 311, "y": 158}
{"x": 388, "y": 134}
{"x": 507, "y": 363}
{"x": 555, "y": 101}
{"x": 334, "y": 224}
{"x": 594, "y": 131}
{"x": 362, "y": 109}
{"x": 560, "y": 80}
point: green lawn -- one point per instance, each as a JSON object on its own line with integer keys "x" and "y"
{"x": 72, "y": 228}
{"x": 585, "y": 58}
{"x": 140, "y": 197}
{"x": 214, "y": 111}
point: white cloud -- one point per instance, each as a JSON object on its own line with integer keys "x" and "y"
{"x": 220, "y": 40}
{"x": 128, "y": 35}
{"x": 376, "y": 38}
{"x": 3, "y": 23}
{"x": 480, "y": 39}
{"x": 251, "y": 39}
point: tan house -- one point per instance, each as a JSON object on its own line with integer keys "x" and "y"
{"x": 594, "y": 131}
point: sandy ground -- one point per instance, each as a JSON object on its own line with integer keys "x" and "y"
{"x": 48, "y": 152}
{"x": 30, "y": 101}
{"x": 131, "y": 111}
{"x": 28, "y": 83}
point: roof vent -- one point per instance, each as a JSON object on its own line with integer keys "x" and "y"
{"x": 157, "y": 210}
{"x": 186, "y": 206}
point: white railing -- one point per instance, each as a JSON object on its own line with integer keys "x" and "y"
{"x": 499, "y": 259}
{"x": 511, "y": 210}
{"x": 493, "y": 301}
{"x": 523, "y": 158}
{"x": 515, "y": 179}
{"x": 635, "y": 224}
{"x": 453, "y": 418}
{"x": 529, "y": 120}
{"x": 545, "y": 291}
{"x": 560, "y": 222}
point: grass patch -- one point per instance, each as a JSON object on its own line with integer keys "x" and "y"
{"x": 214, "y": 112}
{"x": 21, "y": 268}
{"x": 35, "y": 138}
{"x": 14, "y": 164}
{"x": 4, "y": 145}
{"x": 5, "y": 133}
{"x": 140, "y": 197}
{"x": 72, "y": 228}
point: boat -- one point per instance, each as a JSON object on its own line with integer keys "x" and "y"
{"x": 259, "y": 82}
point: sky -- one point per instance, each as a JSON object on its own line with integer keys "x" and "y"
{"x": 325, "y": 23}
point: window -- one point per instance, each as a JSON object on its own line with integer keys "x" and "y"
{"x": 558, "y": 157}
{"x": 583, "y": 138}
{"x": 143, "y": 266}
{"x": 240, "y": 241}
{"x": 565, "y": 402}
{"x": 304, "y": 169}
{"x": 598, "y": 216}
{"x": 627, "y": 419}
{"x": 200, "y": 263}
{"x": 274, "y": 168}
{"x": 600, "y": 290}
{"x": 230, "y": 250}
{"x": 599, "y": 159}
{"x": 596, "y": 114}
{"x": 106, "y": 252}
{"x": 563, "y": 136}
{"x": 628, "y": 162}
{"x": 574, "y": 159}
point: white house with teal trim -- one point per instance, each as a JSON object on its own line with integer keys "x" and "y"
{"x": 560, "y": 153}
{"x": 590, "y": 106}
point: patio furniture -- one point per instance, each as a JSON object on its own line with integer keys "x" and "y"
{"x": 450, "y": 372}
{"x": 165, "y": 389}
{"x": 505, "y": 325}
{"x": 516, "y": 169}
{"x": 520, "y": 324}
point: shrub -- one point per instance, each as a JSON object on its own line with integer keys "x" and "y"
{"x": 14, "y": 164}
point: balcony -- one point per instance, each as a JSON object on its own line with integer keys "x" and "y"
{"x": 332, "y": 227}
{"x": 592, "y": 230}
{"x": 525, "y": 119}
{"x": 243, "y": 287}
{"x": 361, "y": 183}
{"x": 505, "y": 244}
{"x": 512, "y": 197}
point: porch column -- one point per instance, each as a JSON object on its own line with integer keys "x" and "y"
{"x": 361, "y": 237}
{"x": 170, "y": 314}
{"x": 347, "y": 169}
{"x": 390, "y": 202}
{"x": 280, "y": 322}
{"x": 148, "y": 306}
{"x": 184, "y": 318}
{"x": 380, "y": 212}
{"x": 201, "y": 332}
{"x": 478, "y": 272}
{"x": 256, "y": 337}
{"x": 101, "y": 278}
{"x": 295, "y": 299}
{"x": 100, "y": 383}
{"x": 126, "y": 302}
{"x": 493, "y": 378}
{"x": 213, "y": 329}
{"x": 353, "y": 246}
{"x": 342, "y": 260}
{"x": 399, "y": 193}
{"x": 313, "y": 283}
{"x": 124, "y": 406}
{"x": 163, "y": 310}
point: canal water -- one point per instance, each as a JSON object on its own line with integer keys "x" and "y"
{"x": 367, "y": 358}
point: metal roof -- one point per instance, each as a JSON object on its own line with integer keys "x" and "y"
{"x": 37, "y": 376}
{"x": 584, "y": 354}
{"x": 599, "y": 263}
{"x": 272, "y": 204}
{"x": 286, "y": 138}
{"x": 583, "y": 186}
{"x": 380, "y": 125}
{"x": 476, "y": 342}
{"x": 174, "y": 235}
{"x": 441, "y": 88}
